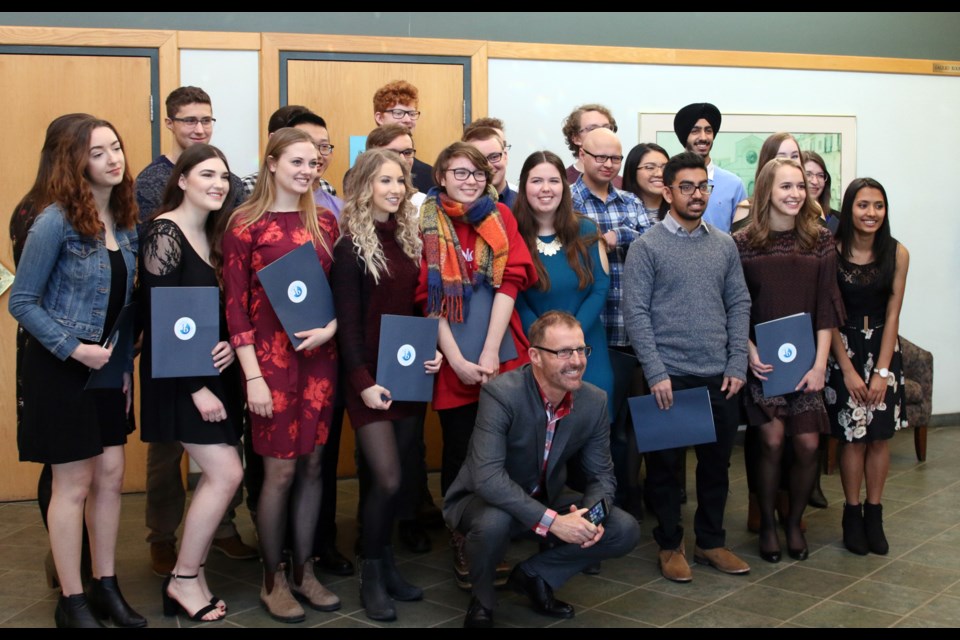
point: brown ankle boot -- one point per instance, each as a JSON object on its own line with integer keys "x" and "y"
{"x": 753, "y": 514}
{"x": 276, "y": 598}
{"x": 307, "y": 588}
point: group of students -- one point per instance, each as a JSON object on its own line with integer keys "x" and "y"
{"x": 80, "y": 257}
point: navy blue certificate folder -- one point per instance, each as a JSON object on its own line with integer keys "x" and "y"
{"x": 472, "y": 332}
{"x": 787, "y": 344}
{"x": 688, "y": 422}
{"x": 110, "y": 375}
{"x": 298, "y": 291}
{"x": 185, "y": 327}
{"x": 406, "y": 342}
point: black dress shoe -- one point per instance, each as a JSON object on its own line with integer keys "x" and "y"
{"x": 332, "y": 561}
{"x": 798, "y": 554}
{"x": 592, "y": 570}
{"x": 478, "y": 616}
{"x": 413, "y": 536}
{"x": 540, "y": 594}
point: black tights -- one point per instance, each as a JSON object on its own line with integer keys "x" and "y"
{"x": 387, "y": 447}
{"x": 298, "y": 482}
{"x": 803, "y": 474}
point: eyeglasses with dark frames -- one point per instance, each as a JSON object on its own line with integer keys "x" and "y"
{"x": 463, "y": 174}
{"x": 687, "y": 189}
{"x": 192, "y": 122}
{"x": 602, "y": 159}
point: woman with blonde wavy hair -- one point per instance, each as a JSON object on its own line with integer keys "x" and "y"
{"x": 290, "y": 391}
{"x": 376, "y": 267}
{"x": 790, "y": 265}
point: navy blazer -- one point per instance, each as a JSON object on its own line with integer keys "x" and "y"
{"x": 506, "y": 450}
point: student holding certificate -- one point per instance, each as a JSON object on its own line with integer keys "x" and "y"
{"x": 75, "y": 275}
{"x": 865, "y": 394}
{"x": 789, "y": 263}
{"x": 290, "y": 392}
{"x": 376, "y": 267}
{"x": 181, "y": 245}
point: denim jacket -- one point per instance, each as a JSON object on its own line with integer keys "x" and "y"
{"x": 62, "y": 287}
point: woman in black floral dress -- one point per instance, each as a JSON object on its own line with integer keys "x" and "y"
{"x": 865, "y": 396}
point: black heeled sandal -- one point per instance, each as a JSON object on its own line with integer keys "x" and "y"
{"x": 171, "y": 605}
{"x": 214, "y": 600}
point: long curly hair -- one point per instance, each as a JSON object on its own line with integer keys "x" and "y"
{"x": 356, "y": 218}
{"x": 807, "y": 225}
{"x": 265, "y": 192}
{"x": 70, "y": 187}
{"x": 566, "y": 223}
{"x": 216, "y": 223}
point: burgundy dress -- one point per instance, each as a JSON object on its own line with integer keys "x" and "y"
{"x": 302, "y": 384}
{"x": 360, "y": 303}
{"x": 784, "y": 280}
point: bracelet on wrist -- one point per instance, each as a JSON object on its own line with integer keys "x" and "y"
{"x": 254, "y": 378}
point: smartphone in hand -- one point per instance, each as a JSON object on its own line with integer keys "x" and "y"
{"x": 597, "y": 514}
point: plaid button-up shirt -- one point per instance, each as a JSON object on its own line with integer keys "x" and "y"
{"x": 623, "y": 213}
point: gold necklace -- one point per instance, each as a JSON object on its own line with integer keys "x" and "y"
{"x": 549, "y": 248}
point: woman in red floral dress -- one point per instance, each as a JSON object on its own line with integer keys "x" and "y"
{"x": 290, "y": 391}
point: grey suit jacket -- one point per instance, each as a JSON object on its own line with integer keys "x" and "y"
{"x": 506, "y": 450}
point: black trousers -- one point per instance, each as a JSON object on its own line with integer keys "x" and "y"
{"x": 713, "y": 482}
{"x": 457, "y": 427}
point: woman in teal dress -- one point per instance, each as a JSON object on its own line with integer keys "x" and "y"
{"x": 572, "y": 270}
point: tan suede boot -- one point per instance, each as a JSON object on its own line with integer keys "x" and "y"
{"x": 276, "y": 598}
{"x": 310, "y": 591}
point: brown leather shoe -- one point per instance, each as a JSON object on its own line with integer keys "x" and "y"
{"x": 235, "y": 548}
{"x": 673, "y": 565}
{"x": 721, "y": 559}
{"x": 279, "y": 601}
{"x": 310, "y": 591}
{"x": 461, "y": 567}
{"x": 163, "y": 557}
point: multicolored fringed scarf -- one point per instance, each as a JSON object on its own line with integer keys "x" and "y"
{"x": 448, "y": 287}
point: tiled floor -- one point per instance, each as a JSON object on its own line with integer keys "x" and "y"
{"x": 916, "y": 585}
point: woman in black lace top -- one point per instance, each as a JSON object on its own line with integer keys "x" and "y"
{"x": 180, "y": 248}
{"x": 864, "y": 394}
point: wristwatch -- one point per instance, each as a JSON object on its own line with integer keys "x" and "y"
{"x": 883, "y": 373}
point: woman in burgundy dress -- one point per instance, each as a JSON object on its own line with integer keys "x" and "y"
{"x": 375, "y": 273}
{"x": 790, "y": 265}
{"x": 290, "y": 391}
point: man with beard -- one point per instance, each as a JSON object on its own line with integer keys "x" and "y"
{"x": 696, "y": 125}
{"x": 504, "y": 492}
{"x": 686, "y": 309}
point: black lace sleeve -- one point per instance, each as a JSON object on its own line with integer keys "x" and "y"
{"x": 162, "y": 253}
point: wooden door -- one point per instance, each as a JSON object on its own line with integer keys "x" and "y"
{"x": 37, "y": 89}
{"x": 342, "y": 92}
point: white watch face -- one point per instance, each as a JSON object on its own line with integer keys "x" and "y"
{"x": 884, "y": 373}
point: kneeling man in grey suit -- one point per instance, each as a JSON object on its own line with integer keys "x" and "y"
{"x": 530, "y": 422}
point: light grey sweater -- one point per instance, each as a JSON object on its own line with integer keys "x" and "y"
{"x": 686, "y": 306}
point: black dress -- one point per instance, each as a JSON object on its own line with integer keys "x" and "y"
{"x": 167, "y": 411}
{"x": 61, "y": 421}
{"x": 866, "y": 303}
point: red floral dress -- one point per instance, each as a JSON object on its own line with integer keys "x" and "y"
{"x": 303, "y": 385}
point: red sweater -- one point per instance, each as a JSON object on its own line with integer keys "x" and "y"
{"x": 448, "y": 391}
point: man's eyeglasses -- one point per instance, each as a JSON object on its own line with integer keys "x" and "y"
{"x": 651, "y": 167}
{"x": 603, "y": 159}
{"x": 192, "y": 122}
{"x": 493, "y": 158}
{"x": 407, "y": 153}
{"x": 325, "y": 149}
{"x": 687, "y": 189}
{"x": 592, "y": 127}
{"x": 462, "y": 174}
{"x": 400, "y": 114}
{"x": 566, "y": 354}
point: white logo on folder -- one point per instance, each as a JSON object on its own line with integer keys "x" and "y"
{"x": 185, "y": 328}
{"x": 406, "y": 355}
{"x": 787, "y": 352}
{"x": 297, "y": 291}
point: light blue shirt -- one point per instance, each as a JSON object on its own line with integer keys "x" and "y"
{"x": 728, "y": 192}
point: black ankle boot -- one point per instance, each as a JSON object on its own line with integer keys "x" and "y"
{"x": 107, "y": 602}
{"x": 873, "y": 524}
{"x": 373, "y": 591}
{"x": 854, "y": 533}
{"x": 73, "y": 612}
{"x": 397, "y": 587}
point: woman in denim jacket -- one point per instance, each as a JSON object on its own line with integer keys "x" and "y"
{"x": 75, "y": 276}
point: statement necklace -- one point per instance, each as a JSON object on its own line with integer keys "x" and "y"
{"x": 549, "y": 248}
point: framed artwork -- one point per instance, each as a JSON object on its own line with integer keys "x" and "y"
{"x": 737, "y": 146}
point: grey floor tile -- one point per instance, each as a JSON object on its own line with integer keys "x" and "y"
{"x": 594, "y": 619}
{"x": 768, "y": 602}
{"x": 799, "y": 579}
{"x": 935, "y": 554}
{"x": 895, "y": 599}
{"x": 651, "y": 606}
{"x": 942, "y": 610}
{"x": 837, "y": 559}
{"x": 714, "y": 616}
{"x": 589, "y": 591}
{"x": 917, "y": 576}
{"x": 835, "y": 615}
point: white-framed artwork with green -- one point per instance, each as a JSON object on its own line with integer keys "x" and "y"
{"x": 737, "y": 146}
